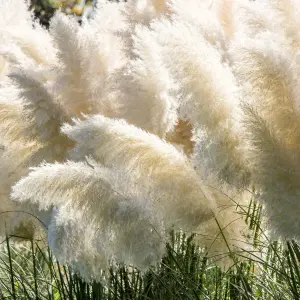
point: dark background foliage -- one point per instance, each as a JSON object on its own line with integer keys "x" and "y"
{"x": 45, "y": 9}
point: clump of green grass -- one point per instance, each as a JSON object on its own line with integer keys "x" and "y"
{"x": 271, "y": 271}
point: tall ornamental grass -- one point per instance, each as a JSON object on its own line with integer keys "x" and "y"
{"x": 150, "y": 117}
{"x": 186, "y": 272}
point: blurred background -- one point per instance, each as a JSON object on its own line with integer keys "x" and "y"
{"x": 44, "y": 9}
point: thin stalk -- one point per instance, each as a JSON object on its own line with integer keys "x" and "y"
{"x": 12, "y": 280}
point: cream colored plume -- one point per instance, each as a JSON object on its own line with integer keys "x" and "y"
{"x": 16, "y": 13}
{"x": 191, "y": 62}
{"x": 90, "y": 202}
{"x": 271, "y": 75}
{"x": 254, "y": 17}
{"x": 76, "y": 241}
{"x": 118, "y": 96}
{"x": 13, "y": 122}
{"x": 83, "y": 82}
{"x": 101, "y": 58}
{"x": 209, "y": 99}
{"x": 34, "y": 44}
{"x": 4, "y": 68}
{"x": 23, "y": 135}
{"x": 288, "y": 16}
{"x": 107, "y": 17}
{"x": 20, "y": 150}
{"x": 205, "y": 21}
{"x": 23, "y": 39}
{"x": 15, "y": 158}
{"x": 43, "y": 113}
{"x": 92, "y": 248}
{"x": 140, "y": 12}
{"x": 146, "y": 90}
{"x": 276, "y": 168}
{"x": 69, "y": 87}
{"x": 144, "y": 11}
{"x": 268, "y": 73}
{"x": 155, "y": 166}
{"x": 277, "y": 17}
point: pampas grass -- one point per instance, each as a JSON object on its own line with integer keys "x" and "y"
{"x": 147, "y": 117}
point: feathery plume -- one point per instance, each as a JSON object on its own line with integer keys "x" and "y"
{"x": 66, "y": 34}
{"x": 251, "y": 18}
{"x": 13, "y": 123}
{"x": 149, "y": 162}
{"x": 276, "y": 169}
{"x": 88, "y": 199}
{"x": 205, "y": 21}
{"x": 16, "y": 13}
{"x": 146, "y": 88}
{"x": 268, "y": 72}
{"x": 85, "y": 63}
{"x": 287, "y": 16}
{"x": 4, "y": 68}
{"x": 208, "y": 102}
{"x": 218, "y": 78}
{"x": 15, "y": 158}
{"x": 43, "y": 113}
{"x": 18, "y": 30}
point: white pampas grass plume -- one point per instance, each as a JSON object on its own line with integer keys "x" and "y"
{"x": 16, "y": 13}
{"x": 287, "y": 17}
{"x": 81, "y": 177}
{"x": 76, "y": 241}
{"x": 13, "y": 122}
{"x": 144, "y": 11}
{"x": 33, "y": 43}
{"x": 101, "y": 58}
{"x": 43, "y": 113}
{"x": 18, "y": 30}
{"x": 68, "y": 84}
{"x": 207, "y": 101}
{"x": 15, "y": 158}
{"x": 88, "y": 199}
{"x": 146, "y": 88}
{"x": 4, "y": 68}
{"x": 86, "y": 60}
{"x": 140, "y": 12}
{"x": 91, "y": 248}
{"x": 223, "y": 155}
{"x": 276, "y": 169}
{"x": 107, "y": 17}
{"x": 205, "y": 21}
{"x": 155, "y": 166}
{"x": 42, "y": 109}
{"x": 191, "y": 62}
{"x": 268, "y": 72}
{"x": 251, "y": 18}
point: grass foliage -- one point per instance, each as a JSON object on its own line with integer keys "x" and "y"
{"x": 271, "y": 271}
